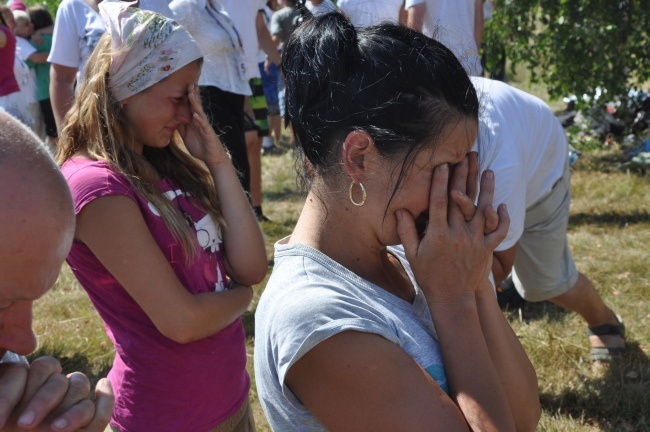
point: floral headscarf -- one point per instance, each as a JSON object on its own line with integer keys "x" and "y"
{"x": 147, "y": 47}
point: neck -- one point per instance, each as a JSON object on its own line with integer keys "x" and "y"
{"x": 336, "y": 228}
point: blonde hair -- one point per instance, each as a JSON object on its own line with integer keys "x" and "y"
{"x": 97, "y": 126}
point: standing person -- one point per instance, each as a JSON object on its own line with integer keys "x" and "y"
{"x": 36, "y": 396}
{"x": 166, "y": 244}
{"x": 458, "y": 24}
{"x": 223, "y": 83}
{"x": 529, "y": 159}
{"x": 270, "y": 75}
{"x": 354, "y": 332}
{"x": 28, "y": 56}
{"x": 9, "y": 88}
{"x": 77, "y": 29}
{"x": 248, "y": 17}
{"x": 20, "y": 104}
{"x": 42, "y": 21}
{"x": 283, "y": 23}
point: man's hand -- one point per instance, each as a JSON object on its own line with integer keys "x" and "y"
{"x": 39, "y": 398}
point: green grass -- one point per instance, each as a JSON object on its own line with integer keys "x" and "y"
{"x": 609, "y": 233}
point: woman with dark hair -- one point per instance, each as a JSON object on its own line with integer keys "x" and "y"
{"x": 354, "y": 331}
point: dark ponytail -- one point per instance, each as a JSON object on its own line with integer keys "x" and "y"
{"x": 399, "y": 86}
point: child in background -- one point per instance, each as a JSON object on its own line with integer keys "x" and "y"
{"x": 26, "y": 107}
{"x": 43, "y": 26}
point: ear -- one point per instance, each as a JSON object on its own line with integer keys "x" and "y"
{"x": 356, "y": 148}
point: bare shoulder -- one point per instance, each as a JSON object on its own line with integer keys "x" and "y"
{"x": 362, "y": 381}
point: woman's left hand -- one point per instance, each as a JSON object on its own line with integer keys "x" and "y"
{"x": 464, "y": 190}
{"x": 199, "y": 136}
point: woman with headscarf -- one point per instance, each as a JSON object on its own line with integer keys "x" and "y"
{"x": 166, "y": 244}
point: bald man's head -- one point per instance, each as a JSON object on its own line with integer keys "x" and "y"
{"x": 36, "y": 230}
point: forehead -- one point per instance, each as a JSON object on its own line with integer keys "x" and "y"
{"x": 453, "y": 143}
{"x": 180, "y": 79}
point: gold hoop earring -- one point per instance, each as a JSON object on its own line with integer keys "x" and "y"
{"x": 363, "y": 196}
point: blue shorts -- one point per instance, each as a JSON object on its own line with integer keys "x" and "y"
{"x": 270, "y": 84}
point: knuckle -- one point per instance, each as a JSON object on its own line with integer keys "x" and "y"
{"x": 45, "y": 365}
{"x": 80, "y": 414}
{"x": 79, "y": 385}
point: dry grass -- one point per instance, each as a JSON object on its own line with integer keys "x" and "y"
{"x": 609, "y": 234}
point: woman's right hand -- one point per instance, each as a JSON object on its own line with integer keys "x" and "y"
{"x": 451, "y": 259}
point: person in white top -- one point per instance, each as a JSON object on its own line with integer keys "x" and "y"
{"x": 248, "y": 17}
{"x": 223, "y": 83}
{"x": 77, "y": 29}
{"x": 363, "y": 13}
{"x": 458, "y": 24}
{"x": 25, "y": 53}
{"x": 527, "y": 151}
{"x": 319, "y": 7}
{"x": 37, "y": 396}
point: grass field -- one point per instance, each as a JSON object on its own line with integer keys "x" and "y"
{"x": 609, "y": 234}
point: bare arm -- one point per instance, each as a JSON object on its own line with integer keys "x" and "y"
{"x": 61, "y": 91}
{"x": 115, "y": 231}
{"x": 246, "y": 260}
{"x": 515, "y": 371}
{"x": 449, "y": 281}
{"x": 361, "y": 381}
{"x": 478, "y": 24}
{"x": 38, "y": 57}
{"x": 3, "y": 39}
{"x": 415, "y": 17}
{"x": 264, "y": 39}
{"x": 276, "y": 40}
{"x": 502, "y": 263}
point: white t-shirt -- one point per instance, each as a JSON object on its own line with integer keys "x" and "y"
{"x": 24, "y": 75}
{"x": 323, "y": 8}
{"x": 219, "y": 50}
{"x": 243, "y": 14}
{"x": 529, "y": 149}
{"x": 77, "y": 30}
{"x": 452, "y": 23}
{"x": 364, "y": 13}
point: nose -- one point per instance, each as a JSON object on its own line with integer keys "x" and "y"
{"x": 16, "y": 333}
{"x": 184, "y": 113}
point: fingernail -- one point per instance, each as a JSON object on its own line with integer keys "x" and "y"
{"x": 460, "y": 193}
{"x": 444, "y": 167}
{"x": 398, "y": 215}
{"x": 489, "y": 174}
{"x": 27, "y": 418}
{"x": 60, "y": 423}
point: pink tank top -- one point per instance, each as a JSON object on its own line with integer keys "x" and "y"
{"x": 161, "y": 385}
{"x": 8, "y": 83}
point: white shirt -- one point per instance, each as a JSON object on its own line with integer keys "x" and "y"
{"x": 220, "y": 56}
{"x": 244, "y": 15}
{"x": 452, "y": 23}
{"x": 528, "y": 146}
{"x": 323, "y": 8}
{"x": 364, "y": 13}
